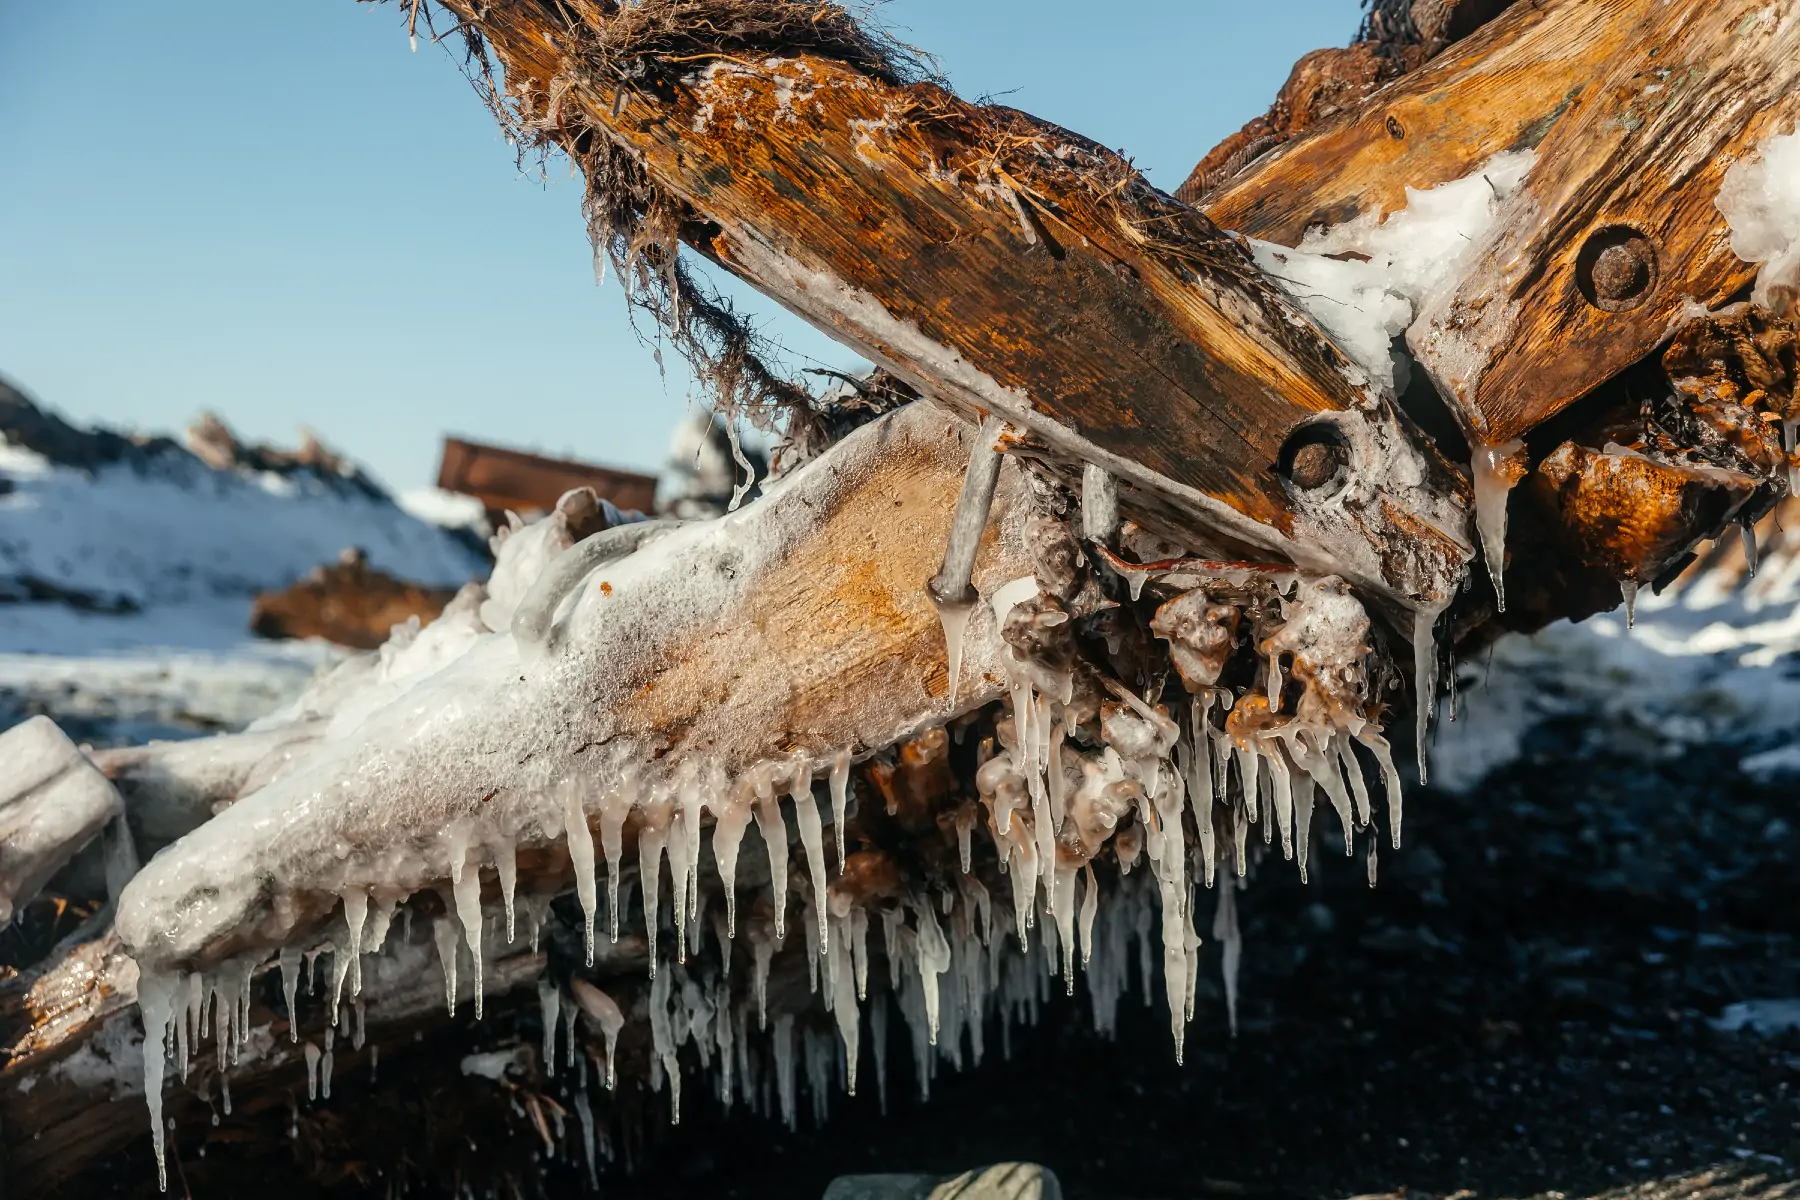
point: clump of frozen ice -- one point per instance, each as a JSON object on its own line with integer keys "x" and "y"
{"x": 52, "y": 803}
{"x": 1365, "y": 280}
{"x": 1760, "y": 200}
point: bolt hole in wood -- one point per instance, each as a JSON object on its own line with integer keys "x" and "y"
{"x": 1315, "y": 458}
{"x": 1617, "y": 268}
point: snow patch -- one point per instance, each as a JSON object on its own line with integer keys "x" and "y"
{"x": 1365, "y": 280}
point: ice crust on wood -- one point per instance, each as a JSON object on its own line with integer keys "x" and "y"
{"x": 53, "y": 801}
{"x": 1365, "y": 281}
{"x": 1760, "y": 199}
{"x": 446, "y": 760}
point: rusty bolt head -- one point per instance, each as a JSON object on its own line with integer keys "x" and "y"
{"x": 1616, "y": 269}
{"x": 1315, "y": 458}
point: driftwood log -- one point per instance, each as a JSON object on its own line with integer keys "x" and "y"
{"x": 1007, "y": 269}
{"x": 829, "y": 641}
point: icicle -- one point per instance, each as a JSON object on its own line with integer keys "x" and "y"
{"x": 731, "y": 817}
{"x": 221, "y": 1028}
{"x": 1303, "y": 811}
{"x": 878, "y": 1035}
{"x": 651, "y": 838}
{"x": 1629, "y": 589}
{"x": 954, "y": 616}
{"x": 773, "y": 827}
{"x": 357, "y": 1032}
{"x": 1281, "y": 790}
{"x": 325, "y": 1063}
{"x": 1063, "y": 883}
{"x": 1493, "y": 483}
{"x": 781, "y": 1043}
{"x": 839, "y": 781}
{"x": 549, "y": 1006}
{"x": 859, "y": 950}
{"x": 506, "y": 863}
{"x": 467, "y": 891}
{"x": 581, "y": 855}
{"x": 680, "y": 869}
{"x": 1747, "y": 532}
{"x": 812, "y": 839}
{"x": 156, "y": 1004}
{"x": 312, "y": 1071}
{"x": 687, "y": 886}
{"x": 1099, "y": 504}
{"x": 1359, "y": 790}
{"x": 1390, "y": 778}
{"x": 1425, "y": 674}
{"x": 356, "y": 914}
{"x": 601, "y": 1009}
{"x": 380, "y": 922}
{"x": 584, "y": 1113}
{"x": 933, "y": 960}
{"x": 965, "y": 832}
{"x": 444, "y": 933}
{"x": 662, "y": 1041}
{"x": 762, "y": 951}
{"x": 1225, "y": 928}
{"x": 843, "y": 1002}
{"x": 1090, "y": 905}
{"x": 615, "y": 806}
{"x": 290, "y": 983}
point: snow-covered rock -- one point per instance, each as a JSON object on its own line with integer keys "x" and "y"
{"x": 106, "y": 522}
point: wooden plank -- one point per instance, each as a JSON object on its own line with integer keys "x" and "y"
{"x": 1505, "y": 87}
{"x": 503, "y": 479}
{"x": 1614, "y": 237}
{"x": 816, "y": 636}
{"x": 1001, "y": 266}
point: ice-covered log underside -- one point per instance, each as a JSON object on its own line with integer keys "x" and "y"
{"x": 1122, "y": 700}
{"x": 796, "y": 628}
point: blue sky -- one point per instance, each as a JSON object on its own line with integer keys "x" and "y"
{"x": 275, "y": 211}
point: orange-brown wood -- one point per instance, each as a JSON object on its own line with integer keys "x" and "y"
{"x": 1615, "y": 237}
{"x": 995, "y": 262}
{"x": 1504, "y": 87}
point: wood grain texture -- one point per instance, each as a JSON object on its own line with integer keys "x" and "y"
{"x": 1641, "y": 155}
{"x": 995, "y": 262}
{"x": 1504, "y": 87}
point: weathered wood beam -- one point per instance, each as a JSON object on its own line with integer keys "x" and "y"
{"x": 1505, "y": 87}
{"x": 1005, "y": 267}
{"x": 1615, "y": 237}
{"x": 799, "y": 625}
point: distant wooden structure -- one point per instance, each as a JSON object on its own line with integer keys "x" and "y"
{"x": 505, "y": 479}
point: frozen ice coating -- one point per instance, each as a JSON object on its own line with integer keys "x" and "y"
{"x": 53, "y": 801}
{"x": 1760, "y": 200}
{"x": 423, "y": 761}
{"x": 1494, "y": 471}
{"x": 1412, "y": 256}
{"x": 604, "y": 1012}
{"x": 465, "y": 767}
